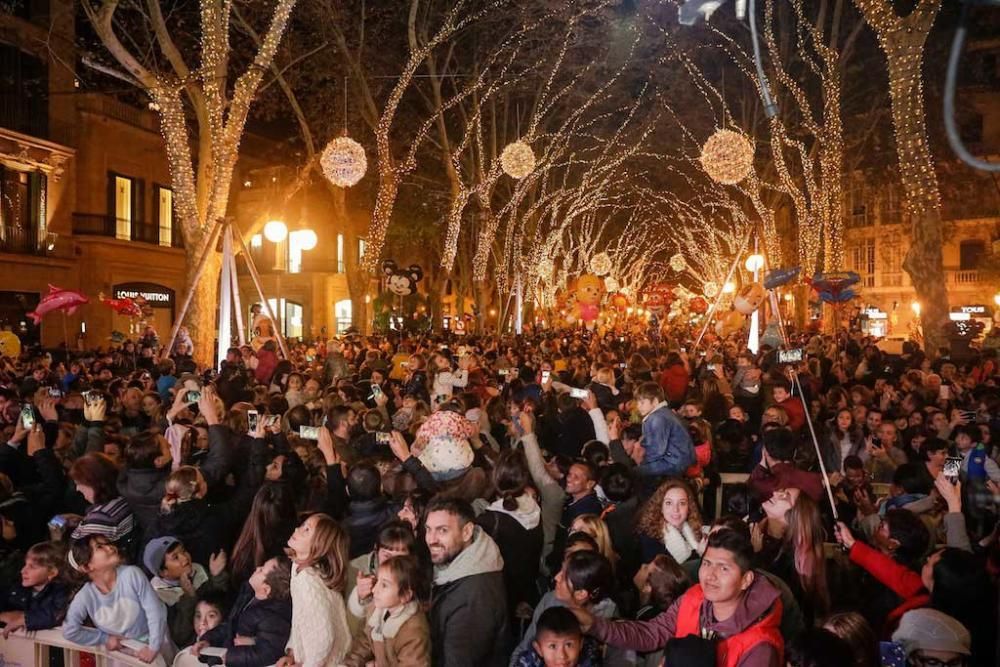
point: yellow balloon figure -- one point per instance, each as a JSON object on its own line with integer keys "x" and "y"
{"x": 589, "y": 290}
{"x": 10, "y": 344}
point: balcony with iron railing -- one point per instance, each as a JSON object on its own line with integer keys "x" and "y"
{"x": 963, "y": 277}
{"x": 92, "y": 224}
{"x": 26, "y": 241}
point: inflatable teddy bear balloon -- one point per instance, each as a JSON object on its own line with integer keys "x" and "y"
{"x": 589, "y": 290}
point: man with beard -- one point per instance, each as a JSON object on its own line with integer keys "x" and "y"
{"x": 468, "y": 614}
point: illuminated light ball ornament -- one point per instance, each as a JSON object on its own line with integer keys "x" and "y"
{"x": 307, "y": 239}
{"x": 275, "y": 231}
{"x": 517, "y": 160}
{"x": 678, "y": 263}
{"x": 727, "y": 157}
{"x": 600, "y": 264}
{"x": 711, "y": 290}
{"x": 343, "y": 162}
{"x": 611, "y": 284}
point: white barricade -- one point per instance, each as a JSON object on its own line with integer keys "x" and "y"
{"x": 31, "y": 649}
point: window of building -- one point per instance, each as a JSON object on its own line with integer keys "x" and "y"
{"x": 24, "y": 92}
{"x": 340, "y": 253}
{"x": 970, "y": 254}
{"x": 165, "y": 215}
{"x": 289, "y": 314}
{"x": 296, "y": 240}
{"x": 22, "y": 209}
{"x": 362, "y": 248}
{"x": 342, "y": 313}
{"x": 892, "y": 208}
{"x": 123, "y": 207}
{"x": 857, "y": 205}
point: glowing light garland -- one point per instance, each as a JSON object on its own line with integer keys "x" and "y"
{"x": 727, "y": 157}
{"x": 600, "y": 264}
{"x": 343, "y": 162}
{"x": 517, "y": 160}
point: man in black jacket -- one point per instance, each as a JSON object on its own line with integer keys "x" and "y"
{"x": 468, "y": 603}
{"x": 260, "y": 621}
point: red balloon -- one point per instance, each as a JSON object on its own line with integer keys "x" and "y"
{"x": 699, "y": 305}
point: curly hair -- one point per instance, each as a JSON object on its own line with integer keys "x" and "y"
{"x": 650, "y": 519}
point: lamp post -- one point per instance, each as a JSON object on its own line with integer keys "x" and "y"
{"x": 754, "y": 264}
{"x": 276, "y": 231}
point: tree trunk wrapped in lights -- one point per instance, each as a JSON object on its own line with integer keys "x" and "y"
{"x": 902, "y": 40}
{"x": 221, "y": 112}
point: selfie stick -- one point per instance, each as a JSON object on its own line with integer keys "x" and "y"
{"x": 718, "y": 297}
{"x": 798, "y": 386}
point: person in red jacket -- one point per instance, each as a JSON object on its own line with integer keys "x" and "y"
{"x": 732, "y": 604}
{"x": 792, "y": 405}
{"x": 888, "y": 570}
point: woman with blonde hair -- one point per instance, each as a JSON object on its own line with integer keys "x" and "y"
{"x": 670, "y": 522}
{"x": 593, "y": 525}
{"x": 320, "y": 634}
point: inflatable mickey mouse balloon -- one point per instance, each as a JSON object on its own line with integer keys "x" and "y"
{"x": 401, "y": 281}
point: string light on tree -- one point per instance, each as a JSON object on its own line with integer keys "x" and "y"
{"x": 678, "y": 263}
{"x": 517, "y": 160}
{"x": 344, "y": 162}
{"x": 727, "y": 157}
{"x": 600, "y": 264}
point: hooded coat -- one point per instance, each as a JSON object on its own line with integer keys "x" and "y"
{"x": 519, "y": 535}
{"x": 468, "y": 616}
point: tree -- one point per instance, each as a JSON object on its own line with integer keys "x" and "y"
{"x": 201, "y": 193}
{"x": 902, "y": 40}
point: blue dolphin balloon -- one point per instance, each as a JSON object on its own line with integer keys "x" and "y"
{"x": 778, "y": 277}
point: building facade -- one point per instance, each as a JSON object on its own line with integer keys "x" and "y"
{"x": 86, "y": 203}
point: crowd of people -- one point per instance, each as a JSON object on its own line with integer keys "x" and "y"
{"x": 563, "y": 499}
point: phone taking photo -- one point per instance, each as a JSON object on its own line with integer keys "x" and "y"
{"x": 578, "y": 393}
{"x": 545, "y": 376}
{"x": 253, "y": 420}
{"x": 952, "y": 468}
{"x": 28, "y": 417}
{"x": 382, "y": 437}
{"x": 309, "y": 432}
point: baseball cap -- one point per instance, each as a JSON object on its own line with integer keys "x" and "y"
{"x": 156, "y": 552}
{"x": 931, "y": 630}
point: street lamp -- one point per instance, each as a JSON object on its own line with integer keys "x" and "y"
{"x": 996, "y": 298}
{"x": 754, "y": 263}
{"x": 916, "y": 308}
{"x": 729, "y": 287}
{"x": 275, "y": 231}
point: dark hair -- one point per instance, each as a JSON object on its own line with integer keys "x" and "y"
{"x": 931, "y": 445}
{"x": 364, "y": 482}
{"x": 853, "y": 462}
{"x": 293, "y": 472}
{"x": 779, "y": 443}
{"x": 912, "y": 478}
{"x": 632, "y": 432}
{"x": 591, "y": 572}
{"x": 511, "y": 478}
{"x": 580, "y": 537}
{"x": 818, "y": 647}
{"x": 588, "y": 466}
{"x": 596, "y": 452}
{"x": 911, "y": 534}
{"x": 142, "y": 451}
{"x": 735, "y": 543}
{"x": 734, "y": 523}
{"x": 82, "y": 549}
{"x": 782, "y": 384}
{"x": 396, "y": 533}
{"x": 558, "y": 621}
{"x": 667, "y": 581}
{"x": 99, "y": 472}
{"x": 338, "y": 414}
{"x": 280, "y": 578}
{"x": 297, "y": 417}
{"x": 266, "y": 530}
{"x": 214, "y": 598}
{"x": 455, "y": 506}
{"x": 617, "y": 482}
{"x": 962, "y": 587}
{"x": 409, "y": 575}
